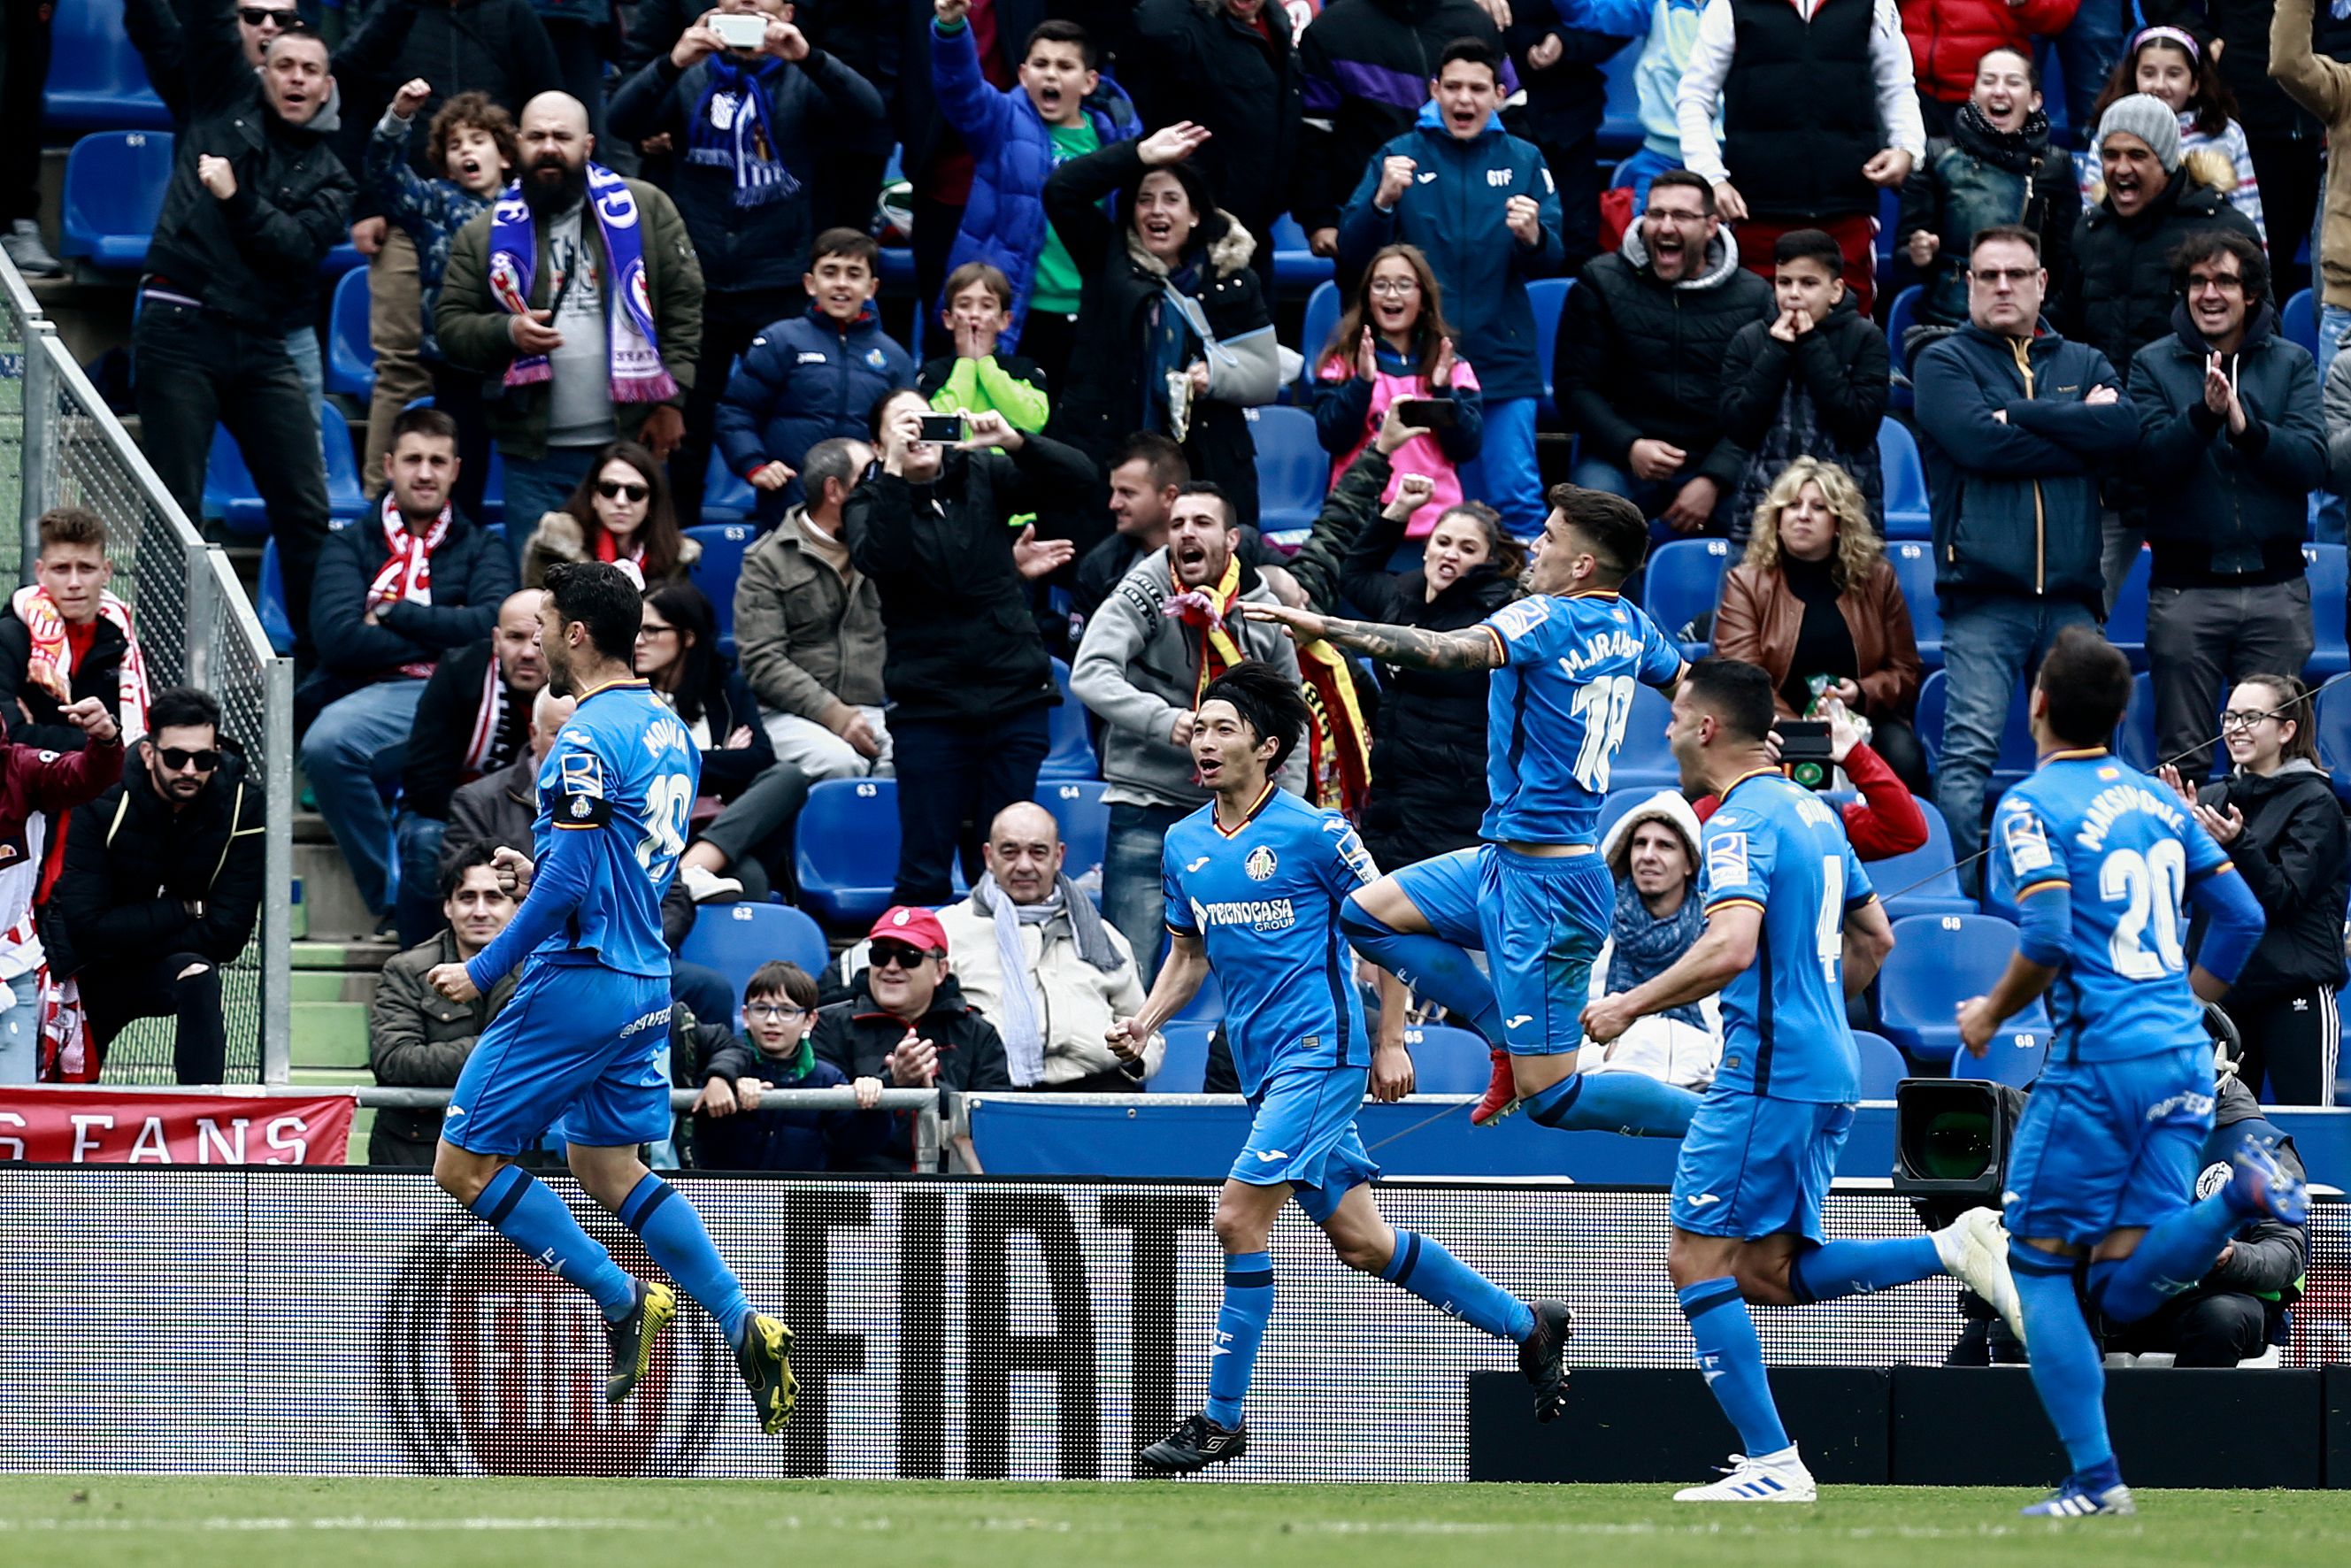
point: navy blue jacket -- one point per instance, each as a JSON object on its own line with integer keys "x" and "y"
{"x": 1011, "y": 148}
{"x": 471, "y": 575}
{"x": 802, "y": 381}
{"x": 808, "y": 106}
{"x": 2016, "y": 501}
{"x": 1453, "y": 211}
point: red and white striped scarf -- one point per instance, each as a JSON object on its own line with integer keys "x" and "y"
{"x": 50, "y": 664}
{"x": 406, "y": 575}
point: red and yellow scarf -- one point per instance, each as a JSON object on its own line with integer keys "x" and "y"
{"x": 1338, "y": 748}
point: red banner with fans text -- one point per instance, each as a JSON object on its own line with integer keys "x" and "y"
{"x": 131, "y": 1126}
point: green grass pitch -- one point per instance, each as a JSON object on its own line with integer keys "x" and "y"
{"x": 101, "y": 1521}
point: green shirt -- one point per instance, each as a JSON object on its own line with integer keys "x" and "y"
{"x": 1056, "y": 287}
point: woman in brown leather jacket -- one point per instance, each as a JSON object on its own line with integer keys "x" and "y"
{"x": 1815, "y": 600}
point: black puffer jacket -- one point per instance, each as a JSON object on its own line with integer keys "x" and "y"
{"x": 856, "y": 1036}
{"x": 1253, "y": 114}
{"x": 99, "y": 676}
{"x": 472, "y": 576}
{"x": 961, "y": 642}
{"x": 1642, "y": 359}
{"x": 1102, "y": 399}
{"x": 2296, "y": 857}
{"x": 2234, "y": 506}
{"x": 133, "y": 866}
{"x": 1429, "y": 757}
{"x": 2117, "y": 294}
{"x": 1822, "y": 396}
{"x": 255, "y": 256}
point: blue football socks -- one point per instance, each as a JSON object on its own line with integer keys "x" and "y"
{"x": 1731, "y": 1359}
{"x": 519, "y": 1208}
{"x": 2068, "y": 1372}
{"x": 1431, "y": 966}
{"x": 2170, "y": 1258}
{"x": 675, "y": 1240}
{"x": 1629, "y": 1103}
{"x": 1240, "y": 1324}
{"x": 1858, "y": 1268}
{"x": 1426, "y": 1270}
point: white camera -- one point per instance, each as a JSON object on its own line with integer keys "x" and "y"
{"x": 739, "y": 32}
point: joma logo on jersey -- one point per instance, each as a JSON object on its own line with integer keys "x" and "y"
{"x": 1259, "y": 914}
{"x": 1260, "y": 864}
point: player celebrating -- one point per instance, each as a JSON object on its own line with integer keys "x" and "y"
{"x": 1254, "y": 880}
{"x": 2096, "y": 857}
{"x": 1779, "y": 880}
{"x": 585, "y": 1038}
{"x": 1535, "y": 896}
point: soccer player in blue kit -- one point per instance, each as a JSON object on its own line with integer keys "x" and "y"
{"x": 1792, "y": 927}
{"x": 1535, "y": 897}
{"x": 2098, "y": 858}
{"x": 584, "y": 1043}
{"x": 1254, "y": 881}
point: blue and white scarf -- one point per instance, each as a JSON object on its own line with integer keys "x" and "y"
{"x": 729, "y": 129}
{"x": 638, "y": 374}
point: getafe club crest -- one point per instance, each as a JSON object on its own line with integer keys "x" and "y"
{"x": 1260, "y": 864}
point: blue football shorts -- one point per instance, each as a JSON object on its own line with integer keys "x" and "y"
{"x": 577, "y": 1044}
{"x": 1540, "y": 920}
{"x": 1303, "y": 1132}
{"x": 1753, "y": 1166}
{"x": 2109, "y": 1145}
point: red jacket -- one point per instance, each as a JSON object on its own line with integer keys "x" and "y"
{"x": 1949, "y": 37}
{"x": 1884, "y": 823}
{"x": 38, "y": 789}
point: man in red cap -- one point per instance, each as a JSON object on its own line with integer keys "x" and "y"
{"x": 908, "y": 1027}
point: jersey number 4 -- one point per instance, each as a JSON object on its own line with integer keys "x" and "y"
{"x": 2148, "y": 887}
{"x": 667, "y": 805}
{"x": 1603, "y": 705}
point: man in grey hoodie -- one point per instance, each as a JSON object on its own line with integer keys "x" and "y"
{"x": 1138, "y": 671}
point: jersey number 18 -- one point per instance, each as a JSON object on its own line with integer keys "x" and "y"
{"x": 1603, "y": 705}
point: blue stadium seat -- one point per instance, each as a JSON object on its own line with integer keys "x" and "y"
{"x": 2299, "y": 321}
{"x": 1907, "y": 513}
{"x": 1624, "y": 176}
{"x": 2324, "y": 565}
{"x": 2013, "y": 1058}
{"x": 494, "y": 490}
{"x": 276, "y": 625}
{"x": 341, "y": 258}
{"x": 2016, "y": 755}
{"x": 1296, "y": 268}
{"x": 1939, "y": 961}
{"x": 1293, "y": 472}
{"x": 1923, "y": 882}
{"x": 1882, "y": 1067}
{"x": 2334, "y": 706}
{"x": 2126, "y": 625}
{"x": 350, "y": 357}
{"x": 1323, "y": 313}
{"x": 723, "y": 545}
{"x": 231, "y": 495}
{"x": 1548, "y": 298}
{"x": 1645, "y": 763}
{"x": 1072, "y": 753}
{"x": 1620, "y": 130}
{"x": 1913, "y": 569}
{"x": 737, "y": 938}
{"x": 1900, "y": 316}
{"x": 726, "y": 495}
{"x": 1185, "y": 1068}
{"x": 97, "y": 81}
{"x": 2135, "y": 740}
{"x": 1682, "y": 581}
{"x": 1448, "y": 1060}
{"x": 1077, "y": 804}
{"x": 346, "y": 497}
{"x": 114, "y": 189}
{"x": 845, "y": 849}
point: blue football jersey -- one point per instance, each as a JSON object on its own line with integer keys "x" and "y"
{"x": 614, "y": 795}
{"x": 1776, "y": 845}
{"x": 1264, "y": 900}
{"x": 2126, "y": 851}
{"x": 1555, "y": 711}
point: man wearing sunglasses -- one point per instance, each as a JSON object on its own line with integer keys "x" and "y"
{"x": 162, "y": 885}
{"x": 907, "y": 1026}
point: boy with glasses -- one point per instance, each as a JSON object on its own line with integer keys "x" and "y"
{"x": 775, "y": 1051}
{"x": 907, "y": 1026}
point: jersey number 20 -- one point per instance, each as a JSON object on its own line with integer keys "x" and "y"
{"x": 668, "y": 803}
{"x": 1603, "y": 705}
{"x": 2148, "y": 887}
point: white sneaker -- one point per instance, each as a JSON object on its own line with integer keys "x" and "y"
{"x": 1773, "y": 1478}
{"x": 1974, "y": 1250}
{"x": 25, "y": 250}
{"x": 705, "y": 886}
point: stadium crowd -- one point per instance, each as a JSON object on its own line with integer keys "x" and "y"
{"x": 635, "y": 256}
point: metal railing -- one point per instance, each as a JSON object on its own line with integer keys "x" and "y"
{"x": 61, "y": 446}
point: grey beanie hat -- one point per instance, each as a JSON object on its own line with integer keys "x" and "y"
{"x": 2150, "y": 119}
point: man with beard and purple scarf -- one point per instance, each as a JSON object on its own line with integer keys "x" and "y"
{"x": 578, "y": 293}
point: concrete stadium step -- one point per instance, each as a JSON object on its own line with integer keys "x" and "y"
{"x": 330, "y": 1035}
